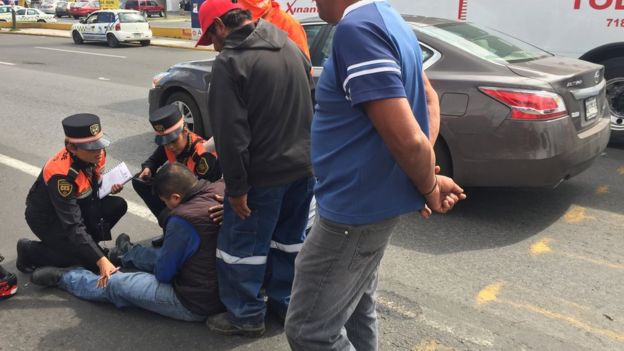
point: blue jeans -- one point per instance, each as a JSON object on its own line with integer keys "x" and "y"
{"x": 140, "y": 257}
{"x": 260, "y": 250}
{"x": 333, "y": 295}
{"x": 129, "y": 289}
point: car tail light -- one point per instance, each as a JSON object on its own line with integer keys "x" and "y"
{"x": 529, "y": 104}
{"x": 118, "y": 27}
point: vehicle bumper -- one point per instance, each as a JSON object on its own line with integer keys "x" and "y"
{"x": 130, "y": 36}
{"x": 530, "y": 154}
{"x": 153, "y": 98}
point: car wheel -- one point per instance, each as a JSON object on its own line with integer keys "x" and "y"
{"x": 162, "y": 14}
{"x": 189, "y": 109}
{"x": 77, "y": 38}
{"x": 614, "y": 74}
{"x": 112, "y": 41}
{"x": 40, "y": 21}
{"x": 145, "y": 42}
{"x": 443, "y": 157}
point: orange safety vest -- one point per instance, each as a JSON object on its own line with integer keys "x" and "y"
{"x": 197, "y": 144}
{"x": 270, "y": 11}
{"x": 78, "y": 182}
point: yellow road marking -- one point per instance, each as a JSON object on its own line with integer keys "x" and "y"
{"x": 542, "y": 247}
{"x": 577, "y": 215}
{"x": 432, "y": 345}
{"x": 603, "y": 189}
{"x": 621, "y": 170}
{"x": 490, "y": 294}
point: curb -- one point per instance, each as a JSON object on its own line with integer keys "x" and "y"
{"x": 66, "y": 35}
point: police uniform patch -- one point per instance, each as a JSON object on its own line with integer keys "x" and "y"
{"x": 64, "y": 187}
{"x": 95, "y": 129}
{"x": 159, "y": 128}
{"x": 202, "y": 166}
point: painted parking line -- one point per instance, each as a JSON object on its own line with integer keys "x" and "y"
{"x": 134, "y": 208}
{"x": 7, "y": 63}
{"x": 491, "y": 295}
{"x": 432, "y": 345}
{"x": 577, "y": 214}
{"x": 80, "y": 52}
{"x": 621, "y": 171}
{"x": 602, "y": 189}
{"x": 543, "y": 247}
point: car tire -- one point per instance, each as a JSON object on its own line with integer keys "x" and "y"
{"x": 189, "y": 108}
{"x": 112, "y": 41}
{"x": 40, "y": 21}
{"x": 614, "y": 75}
{"x": 77, "y": 38}
{"x": 443, "y": 157}
{"x": 145, "y": 42}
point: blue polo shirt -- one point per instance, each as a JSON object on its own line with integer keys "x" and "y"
{"x": 375, "y": 56}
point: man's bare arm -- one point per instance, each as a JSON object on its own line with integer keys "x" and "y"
{"x": 433, "y": 106}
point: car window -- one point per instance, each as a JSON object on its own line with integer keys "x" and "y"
{"x": 33, "y": 12}
{"x": 20, "y": 12}
{"x": 485, "y": 43}
{"x": 426, "y": 53}
{"x": 4, "y": 9}
{"x": 312, "y": 32}
{"x": 326, "y": 49}
{"x": 131, "y": 17}
{"x": 92, "y": 19}
{"x": 131, "y": 4}
{"x": 105, "y": 17}
{"x": 152, "y": 3}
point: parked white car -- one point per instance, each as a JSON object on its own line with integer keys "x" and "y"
{"x": 33, "y": 15}
{"x": 5, "y": 12}
{"x": 49, "y": 7}
{"x": 113, "y": 27}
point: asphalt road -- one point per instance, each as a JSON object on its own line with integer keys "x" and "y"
{"x": 509, "y": 269}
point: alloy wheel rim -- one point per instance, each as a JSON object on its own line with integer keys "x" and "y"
{"x": 615, "y": 100}
{"x": 186, "y": 112}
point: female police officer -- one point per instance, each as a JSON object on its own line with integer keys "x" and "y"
{"x": 63, "y": 208}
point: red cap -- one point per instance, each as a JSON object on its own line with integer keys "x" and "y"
{"x": 208, "y": 12}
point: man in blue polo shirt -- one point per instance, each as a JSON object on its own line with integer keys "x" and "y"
{"x": 373, "y": 161}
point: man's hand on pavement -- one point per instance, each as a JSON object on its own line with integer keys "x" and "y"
{"x": 239, "y": 205}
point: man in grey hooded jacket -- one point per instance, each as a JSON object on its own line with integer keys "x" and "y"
{"x": 260, "y": 111}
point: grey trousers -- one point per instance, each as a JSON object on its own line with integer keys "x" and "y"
{"x": 332, "y": 305}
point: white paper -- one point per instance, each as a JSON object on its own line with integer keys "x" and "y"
{"x": 119, "y": 174}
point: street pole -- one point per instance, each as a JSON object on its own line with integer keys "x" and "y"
{"x": 13, "y": 18}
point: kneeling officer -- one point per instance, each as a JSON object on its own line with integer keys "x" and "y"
{"x": 63, "y": 208}
{"x": 175, "y": 144}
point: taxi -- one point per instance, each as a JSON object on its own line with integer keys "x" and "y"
{"x": 32, "y": 15}
{"x": 113, "y": 27}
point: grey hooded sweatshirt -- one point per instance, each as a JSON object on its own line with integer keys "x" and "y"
{"x": 260, "y": 109}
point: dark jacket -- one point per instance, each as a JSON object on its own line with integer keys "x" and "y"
{"x": 63, "y": 187}
{"x": 195, "y": 284}
{"x": 260, "y": 109}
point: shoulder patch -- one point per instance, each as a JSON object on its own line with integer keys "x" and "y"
{"x": 64, "y": 187}
{"x": 202, "y": 166}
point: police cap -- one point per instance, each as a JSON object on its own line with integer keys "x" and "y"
{"x": 85, "y": 131}
{"x": 168, "y": 123}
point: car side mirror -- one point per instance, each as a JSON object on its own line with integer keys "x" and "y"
{"x": 83, "y": 20}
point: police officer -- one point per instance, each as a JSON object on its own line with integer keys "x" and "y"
{"x": 175, "y": 144}
{"x": 63, "y": 208}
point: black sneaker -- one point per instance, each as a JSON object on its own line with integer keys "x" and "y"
{"x": 158, "y": 242}
{"x": 48, "y": 276}
{"x": 122, "y": 246}
{"x": 278, "y": 310}
{"x": 23, "y": 263}
{"x": 221, "y": 324}
{"x": 8, "y": 284}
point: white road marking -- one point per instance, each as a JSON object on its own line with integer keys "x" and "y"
{"x": 80, "y": 52}
{"x": 133, "y": 207}
{"x": 103, "y": 78}
{"x": 7, "y": 63}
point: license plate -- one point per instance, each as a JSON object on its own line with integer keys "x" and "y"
{"x": 136, "y": 35}
{"x": 591, "y": 108}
